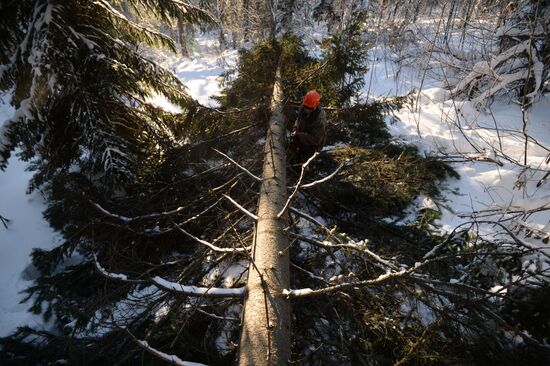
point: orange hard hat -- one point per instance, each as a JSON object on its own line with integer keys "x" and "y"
{"x": 312, "y": 99}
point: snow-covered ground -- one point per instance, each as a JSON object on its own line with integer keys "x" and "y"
{"x": 492, "y": 181}
{"x": 26, "y": 230}
{"x": 200, "y": 72}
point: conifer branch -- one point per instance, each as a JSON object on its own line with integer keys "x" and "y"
{"x": 197, "y": 291}
{"x": 306, "y": 292}
{"x": 311, "y": 219}
{"x": 360, "y": 247}
{"x": 161, "y": 283}
{"x": 127, "y": 219}
{"x": 4, "y": 221}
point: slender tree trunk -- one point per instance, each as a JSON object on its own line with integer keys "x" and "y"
{"x": 286, "y": 8}
{"x": 182, "y": 39}
{"x": 220, "y": 11}
{"x": 265, "y": 337}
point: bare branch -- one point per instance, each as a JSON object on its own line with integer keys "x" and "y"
{"x": 255, "y": 177}
{"x": 212, "y": 246}
{"x": 328, "y": 177}
{"x": 244, "y": 210}
{"x": 311, "y": 219}
{"x": 297, "y": 186}
{"x": 310, "y": 274}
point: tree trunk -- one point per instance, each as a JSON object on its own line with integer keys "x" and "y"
{"x": 182, "y": 39}
{"x": 286, "y": 8}
{"x": 265, "y": 337}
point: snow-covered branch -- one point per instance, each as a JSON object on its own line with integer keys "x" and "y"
{"x": 487, "y": 67}
{"x": 132, "y": 219}
{"x": 174, "y": 287}
{"x": 344, "y": 286}
{"x": 358, "y": 247}
{"x": 197, "y": 291}
{"x": 114, "y": 276}
{"x": 172, "y": 359}
{"x": 504, "y": 81}
{"x": 157, "y": 231}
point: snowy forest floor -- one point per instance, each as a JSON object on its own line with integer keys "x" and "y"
{"x": 485, "y": 187}
{"x": 489, "y": 185}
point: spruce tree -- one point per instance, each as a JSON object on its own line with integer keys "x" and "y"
{"x": 157, "y": 245}
{"x": 80, "y": 87}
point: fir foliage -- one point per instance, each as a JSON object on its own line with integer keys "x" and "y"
{"x": 81, "y": 88}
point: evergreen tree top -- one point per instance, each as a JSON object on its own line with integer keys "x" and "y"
{"x": 80, "y": 85}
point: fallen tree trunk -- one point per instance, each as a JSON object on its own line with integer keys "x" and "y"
{"x": 265, "y": 337}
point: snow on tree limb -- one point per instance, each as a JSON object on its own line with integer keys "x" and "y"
{"x": 172, "y": 359}
{"x": 359, "y": 247}
{"x": 153, "y": 215}
{"x": 174, "y": 287}
{"x": 537, "y": 70}
{"x": 131, "y": 219}
{"x": 486, "y": 68}
{"x": 504, "y": 81}
{"x": 178, "y": 226}
{"x": 344, "y": 286}
{"x": 151, "y": 34}
{"x": 197, "y": 291}
{"x": 114, "y": 276}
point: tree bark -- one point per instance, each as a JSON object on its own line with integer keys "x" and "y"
{"x": 265, "y": 337}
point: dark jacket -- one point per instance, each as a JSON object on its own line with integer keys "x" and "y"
{"x": 311, "y": 130}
